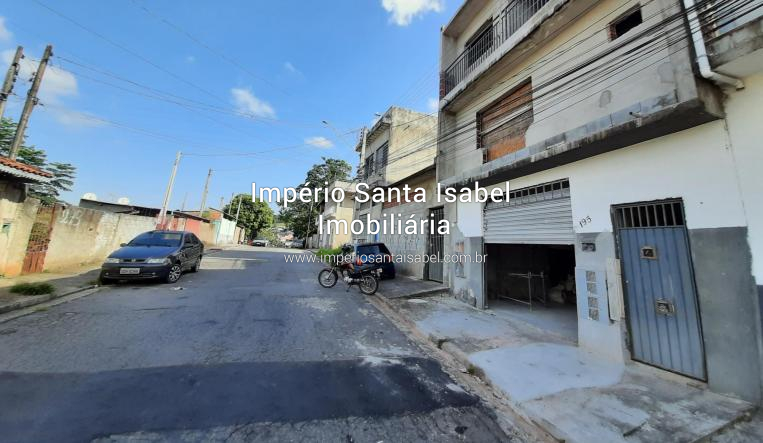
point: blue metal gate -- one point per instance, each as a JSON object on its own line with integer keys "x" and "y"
{"x": 662, "y": 309}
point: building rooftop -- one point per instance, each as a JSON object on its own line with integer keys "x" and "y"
{"x": 23, "y": 171}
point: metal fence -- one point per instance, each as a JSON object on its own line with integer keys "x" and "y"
{"x": 509, "y": 20}
{"x": 720, "y": 17}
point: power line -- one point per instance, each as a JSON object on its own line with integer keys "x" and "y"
{"x": 204, "y": 45}
{"x": 127, "y": 50}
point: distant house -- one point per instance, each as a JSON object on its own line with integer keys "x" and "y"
{"x": 119, "y": 208}
{"x": 15, "y": 178}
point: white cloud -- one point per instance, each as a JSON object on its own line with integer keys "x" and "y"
{"x": 56, "y": 82}
{"x": 404, "y": 11}
{"x": 190, "y": 59}
{"x": 290, "y": 67}
{"x": 5, "y": 34}
{"x": 320, "y": 142}
{"x": 433, "y": 104}
{"x": 76, "y": 119}
{"x": 247, "y": 103}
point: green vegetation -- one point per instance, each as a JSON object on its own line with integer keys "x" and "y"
{"x": 300, "y": 216}
{"x": 329, "y": 254}
{"x": 63, "y": 173}
{"x": 256, "y": 216}
{"x": 32, "y": 288}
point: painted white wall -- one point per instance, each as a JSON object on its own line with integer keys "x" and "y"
{"x": 743, "y": 119}
{"x": 695, "y": 165}
{"x": 470, "y": 219}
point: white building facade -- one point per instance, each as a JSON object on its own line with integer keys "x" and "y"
{"x": 632, "y": 164}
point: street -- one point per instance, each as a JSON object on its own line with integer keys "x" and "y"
{"x": 249, "y": 349}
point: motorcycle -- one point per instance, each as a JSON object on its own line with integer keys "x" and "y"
{"x": 366, "y": 278}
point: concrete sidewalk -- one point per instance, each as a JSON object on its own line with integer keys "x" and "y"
{"x": 408, "y": 287}
{"x": 65, "y": 283}
{"x": 568, "y": 392}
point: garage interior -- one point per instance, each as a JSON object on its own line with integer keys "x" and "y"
{"x": 535, "y": 283}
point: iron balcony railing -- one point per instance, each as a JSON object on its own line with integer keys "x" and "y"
{"x": 720, "y": 17}
{"x": 504, "y": 25}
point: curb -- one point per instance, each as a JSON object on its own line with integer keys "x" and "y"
{"x": 419, "y": 293}
{"x": 540, "y": 431}
{"x": 21, "y": 304}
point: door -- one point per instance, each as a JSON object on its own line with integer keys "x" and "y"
{"x": 661, "y": 298}
{"x": 189, "y": 251}
{"x": 435, "y": 244}
{"x": 39, "y": 239}
{"x": 539, "y": 214}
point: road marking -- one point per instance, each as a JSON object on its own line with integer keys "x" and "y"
{"x": 233, "y": 258}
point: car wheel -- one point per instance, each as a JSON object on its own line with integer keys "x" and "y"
{"x": 174, "y": 274}
{"x": 103, "y": 281}
{"x": 196, "y": 265}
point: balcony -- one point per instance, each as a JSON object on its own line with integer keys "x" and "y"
{"x": 503, "y": 26}
{"x": 720, "y": 17}
{"x": 733, "y": 31}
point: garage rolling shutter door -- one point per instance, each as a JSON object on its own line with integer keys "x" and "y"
{"x": 538, "y": 215}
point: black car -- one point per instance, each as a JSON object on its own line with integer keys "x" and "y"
{"x": 377, "y": 254}
{"x": 154, "y": 255}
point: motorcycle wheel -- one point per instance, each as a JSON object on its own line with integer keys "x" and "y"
{"x": 327, "y": 278}
{"x": 369, "y": 284}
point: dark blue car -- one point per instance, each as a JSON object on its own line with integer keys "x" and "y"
{"x": 161, "y": 255}
{"x": 377, "y": 254}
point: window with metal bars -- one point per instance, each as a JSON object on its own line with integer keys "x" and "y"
{"x": 663, "y": 214}
{"x": 381, "y": 157}
{"x": 370, "y": 166}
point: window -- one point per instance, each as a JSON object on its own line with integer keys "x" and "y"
{"x": 369, "y": 165}
{"x": 501, "y": 127}
{"x": 625, "y": 23}
{"x": 381, "y": 157}
{"x": 480, "y": 43}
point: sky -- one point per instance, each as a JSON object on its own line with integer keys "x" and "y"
{"x": 242, "y": 87}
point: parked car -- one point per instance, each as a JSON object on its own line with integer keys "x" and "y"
{"x": 378, "y": 254}
{"x": 161, "y": 255}
{"x": 298, "y": 244}
{"x": 260, "y": 242}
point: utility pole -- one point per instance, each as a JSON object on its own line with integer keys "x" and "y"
{"x": 10, "y": 78}
{"x": 238, "y": 211}
{"x": 31, "y": 100}
{"x": 204, "y": 194}
{"x": 363, "y": 135}
{"x": 222, "y": 203}
{"x": 168, "y": 192}
{"x": 182, "y": 206}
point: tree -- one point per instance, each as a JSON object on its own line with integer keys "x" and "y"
{"x": 63, "y": 173}
{"x": 300, "y": 216}
{"x": 255, "y": 216}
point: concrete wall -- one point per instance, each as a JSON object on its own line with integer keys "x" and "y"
{"x": 16, "y": 219}
{"x": 225, "y": 231}
{"x": 87, "y": 236}
{"x": 411, "y": 244}
{"x": 744, "y": 133}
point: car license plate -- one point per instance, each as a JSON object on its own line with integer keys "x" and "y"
{"x": 129, "y": 271}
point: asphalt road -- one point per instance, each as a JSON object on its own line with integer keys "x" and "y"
{"x": 248, "y": 349}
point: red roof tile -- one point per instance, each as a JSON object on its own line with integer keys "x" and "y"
{"x": 24, "y": 167}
